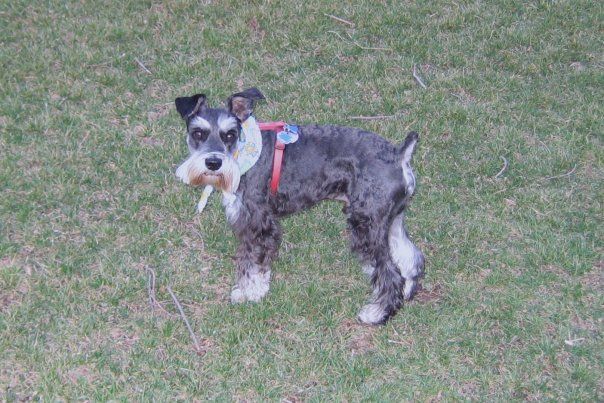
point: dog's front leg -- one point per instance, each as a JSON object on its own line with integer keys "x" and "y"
{"x": 259, "y": 235}
{"x": 252, "y": 280}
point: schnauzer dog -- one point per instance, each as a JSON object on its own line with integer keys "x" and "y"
{"x": 370, "y": 175}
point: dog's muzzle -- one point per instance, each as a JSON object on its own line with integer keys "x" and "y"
{"x": 218, "y": 170}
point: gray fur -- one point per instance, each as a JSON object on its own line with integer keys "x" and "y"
{"x": 327, "y": 162}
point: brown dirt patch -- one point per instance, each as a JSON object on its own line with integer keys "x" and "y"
{"x": 362, "y": 337}
{"x": 82, "y": 372}
{"x": 122, "y": 338}
{"x": 431, "y": 293}
{"x": 594, "y": 279}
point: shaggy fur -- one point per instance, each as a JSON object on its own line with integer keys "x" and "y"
{"x": 369, "y": 174}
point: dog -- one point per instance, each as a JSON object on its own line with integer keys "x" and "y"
{"x": 371, "y": 176}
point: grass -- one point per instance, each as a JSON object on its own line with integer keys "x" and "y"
{"x": 89, "y": 143}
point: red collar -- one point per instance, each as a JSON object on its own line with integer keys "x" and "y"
{"x": 278, "y": 155}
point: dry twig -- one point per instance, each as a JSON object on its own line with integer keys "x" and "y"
{"x": 356, "y": 43}
{"x": 151, "y": 291}
{"x": 505, "y": 166}
{"x": 198, "y": 348}
{"x": 574, "y": 342}
{"x": 369, "y": 47}
{"x": 418, "y": 78}
{"x": 151, "y": 287}
{"x": 142, "y": 66}
{"x": 340, "y": 19}
{"x": 569, "y": 173}
{"x": 377, "y": 117}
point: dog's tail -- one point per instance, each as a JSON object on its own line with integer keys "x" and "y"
{"x": 406, "y": 151}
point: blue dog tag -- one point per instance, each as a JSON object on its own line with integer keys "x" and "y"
{"x": 289, "y": 134}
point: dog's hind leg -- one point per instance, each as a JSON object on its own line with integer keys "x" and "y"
{"x": 259, "y": 235}
{"x": 369, "y": 239}
{"x": 408, "y": 258}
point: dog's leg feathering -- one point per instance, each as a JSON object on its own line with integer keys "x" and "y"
{"x": 369, "y": 240}
{"x": 408, "y": 258}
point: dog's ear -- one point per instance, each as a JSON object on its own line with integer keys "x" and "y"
{"x": 242, "y": 103}
{"x": 188, "y": 106}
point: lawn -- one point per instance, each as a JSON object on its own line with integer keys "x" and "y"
{"x": 508, "y": 210}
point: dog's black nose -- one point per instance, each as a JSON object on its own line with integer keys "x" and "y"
{"x": 213, "y": 163}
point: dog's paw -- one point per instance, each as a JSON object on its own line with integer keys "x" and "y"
{"x": 237, "y": 296}
{"x": 372, "y": 314}
{"x": 251, "y": 288}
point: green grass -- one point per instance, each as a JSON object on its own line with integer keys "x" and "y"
{"x": 89, "y": 143}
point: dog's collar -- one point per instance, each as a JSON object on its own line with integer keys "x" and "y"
{"x": 249, "y": 145}
{"x": 286, "y": 134}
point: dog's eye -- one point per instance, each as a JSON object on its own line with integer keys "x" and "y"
{"x": 229, "y": 136}
{"x": 200, "y": 135}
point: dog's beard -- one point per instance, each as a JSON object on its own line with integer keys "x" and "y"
{"x": 194, "y": 172}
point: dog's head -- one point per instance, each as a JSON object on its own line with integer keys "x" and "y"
{"x": 212, "y": 135}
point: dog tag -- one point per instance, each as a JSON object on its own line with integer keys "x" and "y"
{"x": 289, "y": 134}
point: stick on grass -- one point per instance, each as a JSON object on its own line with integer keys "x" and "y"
{"x": 569, "y": 173}
{"x": 505, "y": 166}
{"x": 574, "y": 342}
{"x": 198, "y": 349}
{"x": 376, "y": 117}
{"x": 340, "y": 19}
{"x": 369, "y": 47}
{"x": 356, "y": 43}
{"x": 142, "y": 66}
{"x": 151, "y": 292}
{"x": 418, "y": 78}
